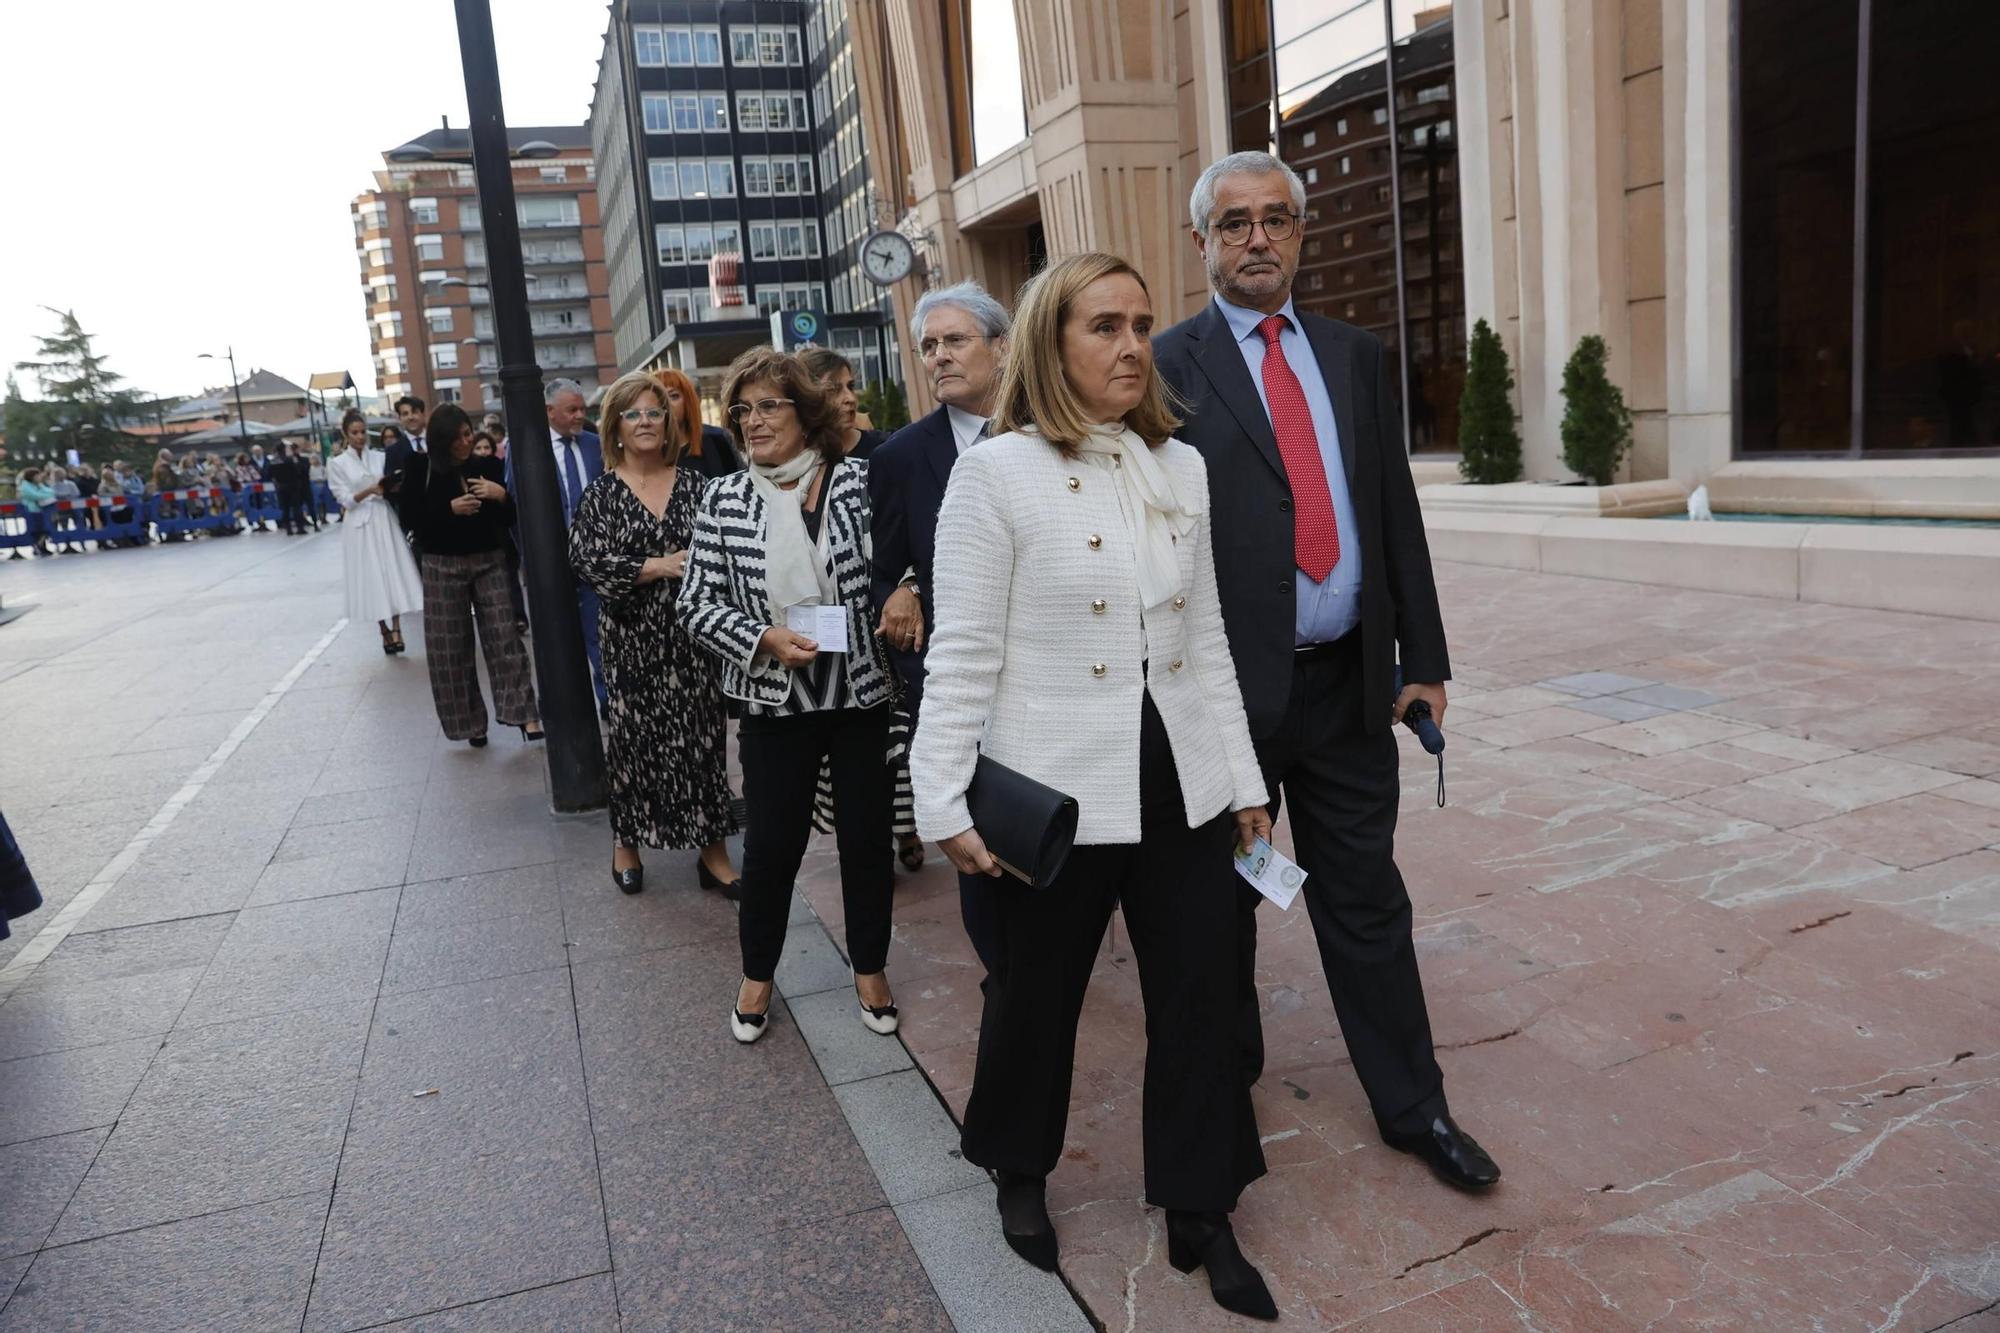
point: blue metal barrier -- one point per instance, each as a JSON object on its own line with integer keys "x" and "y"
{"x": 19, "y": 527}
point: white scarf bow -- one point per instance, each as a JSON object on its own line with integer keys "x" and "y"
{"x": 792, "y": 569}
{"x": 1157, "y": 514}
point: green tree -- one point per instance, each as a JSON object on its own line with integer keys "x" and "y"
{"x": 885, "y": 405}
{"x": 1596, "y": 426}
{"x": 1489, "y": 445}
{"x": 85, "y": 397}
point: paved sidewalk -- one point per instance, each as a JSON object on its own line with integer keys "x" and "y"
{"x": 364, "y": 1034}
{"x": 1709, "y": 934}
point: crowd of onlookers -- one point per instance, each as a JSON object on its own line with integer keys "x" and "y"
{"x": 183, "y": 487}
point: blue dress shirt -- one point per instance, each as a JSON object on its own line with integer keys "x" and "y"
{"x": 1330, "y": 609}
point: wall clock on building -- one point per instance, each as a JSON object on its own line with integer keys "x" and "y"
{"x": 887, "y": 258}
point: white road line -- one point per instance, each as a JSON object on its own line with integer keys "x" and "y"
{"x": 59, "y": 928}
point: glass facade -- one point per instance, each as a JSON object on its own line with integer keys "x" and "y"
{"x": 1891, "y": 103}
{"x": 1360, "y": 100}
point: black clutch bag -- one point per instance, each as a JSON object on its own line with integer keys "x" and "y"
{"x": 1028, "y": 828}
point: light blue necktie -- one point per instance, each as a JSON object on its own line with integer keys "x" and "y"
{"x": 572, "y": 479}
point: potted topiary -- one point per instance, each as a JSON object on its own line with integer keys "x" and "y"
{"x": 1489, "y": 445}
{"x": 1596, "y": 425}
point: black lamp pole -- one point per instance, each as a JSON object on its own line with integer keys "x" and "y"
{"x": 568, "y": 705}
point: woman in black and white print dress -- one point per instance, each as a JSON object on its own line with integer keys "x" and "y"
{"x": 629, "y": 540}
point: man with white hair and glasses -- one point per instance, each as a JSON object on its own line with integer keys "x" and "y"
{"x": 1326, "y": 582}
{"x": 579, "y": 461}
{"x": 961, "y": 333}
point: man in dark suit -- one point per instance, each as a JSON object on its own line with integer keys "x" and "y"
{"x": 961, "y": 334}
{"x": 411, "y": 417}
{"x": 1324, "y": 575}
{"x": 579, "y": 461}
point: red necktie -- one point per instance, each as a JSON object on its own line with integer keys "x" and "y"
{"x": 1315, "y": 533}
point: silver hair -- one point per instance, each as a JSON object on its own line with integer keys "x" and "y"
{"x": 1201, "y": 202}
{"x": 968, "y": 296}
{"x": 556, "y": 388}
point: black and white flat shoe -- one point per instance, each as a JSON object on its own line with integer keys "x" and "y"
{"x": 879, "y": 1019}
{"x": 629, "y": 881}
{"x": 747, "y": 1028}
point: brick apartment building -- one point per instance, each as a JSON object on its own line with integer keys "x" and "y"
{"x": 421, "y": 246}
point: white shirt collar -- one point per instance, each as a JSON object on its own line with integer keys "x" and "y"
{"x": 965, "y": 426}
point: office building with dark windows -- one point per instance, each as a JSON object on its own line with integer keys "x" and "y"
{"x": 734, "y": 183}
{"x": 422, "y": 253}
{"x": 1778, "y": 214}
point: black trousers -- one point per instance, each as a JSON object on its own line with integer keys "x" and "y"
{"x": 1176, "y": 886}
{"x": 1341, "y": 782}
{"x": 781, "y": 758}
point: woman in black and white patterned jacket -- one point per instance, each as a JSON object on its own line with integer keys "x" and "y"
{"x": 792, "y": 532}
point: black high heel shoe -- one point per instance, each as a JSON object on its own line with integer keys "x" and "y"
{"x": 1024, "y": 1218}
{"x": 532, "y": 736}
{"x": 1205, "y": 1240}
{"x": 732, "y": 890}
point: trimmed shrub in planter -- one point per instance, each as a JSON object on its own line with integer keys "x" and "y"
{"x": 1489, "y": 445}
{"x": 1596, "y": 426}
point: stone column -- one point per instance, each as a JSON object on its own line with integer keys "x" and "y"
{"x": 1701, "y": 308}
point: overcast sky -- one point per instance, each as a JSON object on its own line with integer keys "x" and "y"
{"x": 182, "y": 172}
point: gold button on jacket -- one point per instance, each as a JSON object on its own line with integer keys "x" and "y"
{"x": 1180, "y": 603}
{"x": 1095, "y": 541}
{"x": 1176, "y": 664}
{"x": 1075, "y": 484}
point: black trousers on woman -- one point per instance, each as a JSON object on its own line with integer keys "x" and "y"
{"x": 1177, "y": 889}
{"x": 781, "y": 757}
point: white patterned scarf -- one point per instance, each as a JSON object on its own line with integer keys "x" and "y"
{"x": 792, "y": 569}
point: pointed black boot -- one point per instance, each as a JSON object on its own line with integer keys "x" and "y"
{"x": 1024, "y": 1218}
{"x": 1204, "y": 1240}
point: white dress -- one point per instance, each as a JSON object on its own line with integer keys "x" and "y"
{"x": 382, "y": 579}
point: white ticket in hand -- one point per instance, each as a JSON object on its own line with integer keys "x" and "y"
{"x": 824, "y": 625}
{"x": 1270, "y": 873}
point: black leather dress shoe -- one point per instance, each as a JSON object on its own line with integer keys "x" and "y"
{"x": 1024, "y": 1218}
{"x": 1452, "y": 1154}
{"x": 733, "y": 890}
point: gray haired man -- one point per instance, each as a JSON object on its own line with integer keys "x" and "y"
{"x": 961, "y": 334}
{"x": 579, "y": 461}
{"x": 1326, "y": 583}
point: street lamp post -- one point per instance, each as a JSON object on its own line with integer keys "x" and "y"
{"x": 569, "y": 707}
{"x": 236, "y": 388}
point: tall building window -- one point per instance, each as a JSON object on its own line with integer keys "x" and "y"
{"x": 424, "y": 211}
{"x": 648, "y": 47}
{"x": 1305, "y": 73}
{"x": 1918, "y": 325}
{"x": 548, "y": 210}
{"x": 430, "y": 249}
{"x": 658, "y": 112}
{"x": 742, "y": 46}
{"x": 749, "y": 111}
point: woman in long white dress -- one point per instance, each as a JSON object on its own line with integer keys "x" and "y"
{"x": 382, "y": 581}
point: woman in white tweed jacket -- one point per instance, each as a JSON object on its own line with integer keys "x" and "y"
{"x": 1079, "y": 640}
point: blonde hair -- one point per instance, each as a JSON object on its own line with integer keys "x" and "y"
{"x": 1036, "y": 391}
{"x": 625, "y": 392}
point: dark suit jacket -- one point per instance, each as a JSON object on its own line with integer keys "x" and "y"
{"x": 588, "y": 446}
{"x": 718, "y": 457}
{"x": 906, "y": 479}
{"x": 1251, "y": 506}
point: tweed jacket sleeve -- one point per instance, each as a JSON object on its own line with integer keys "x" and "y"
{"x": 708, "y": 613}
{"x": 973, "y": 574}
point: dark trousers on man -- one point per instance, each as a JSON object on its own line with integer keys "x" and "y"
{"x": 1174, "y": 886}
{"x": 1341, "y": 783}
{"x": 781, "y": 758}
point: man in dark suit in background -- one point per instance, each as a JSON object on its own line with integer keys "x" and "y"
{"x": 411, "y": 417}
{"x": 961, "y": 334}
{"x": 579, "y": 461}
{"x": 1324, "y": 574}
